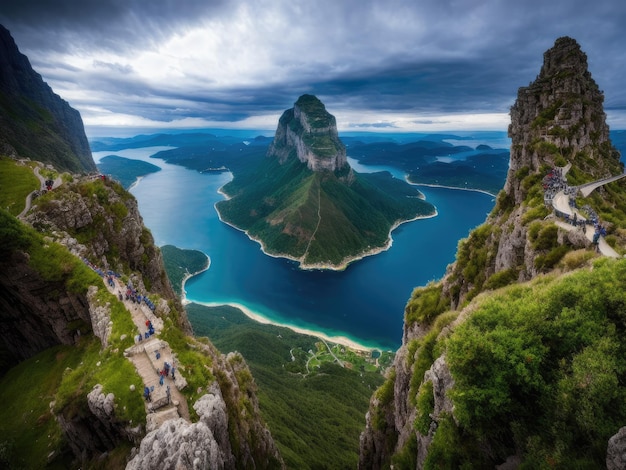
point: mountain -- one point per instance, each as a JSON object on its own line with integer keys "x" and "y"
{"x": 515, "y": 358}
{"x": 304, "y": 201}
{"x": 90, "y": 318}
{"x": 36, "y": 123}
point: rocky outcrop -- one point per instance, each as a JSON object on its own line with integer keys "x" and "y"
{"x": 560, "y": 114}
{"x": 34, "y": 121}
{"x": 99, "y": 431}
{"x": 616, "y": 451}
{"x": 36, "y": 313}
{"x": 229, "y": 433}
{"x": 557, "y": 119}
{"x": 180, "y": 444}
{"x": 309, "y": 132}
{"x": 100, "y": 221}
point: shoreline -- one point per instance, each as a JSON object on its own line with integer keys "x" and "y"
{"x": 342, "y": 340}
{"x": 188, "y": 275}
{"x": 428, "y": 185}
{"x": 332, "y": 267}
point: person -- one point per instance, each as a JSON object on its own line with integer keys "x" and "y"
{"x": 161, "y": 379}
{"x": 173, "y": 377}
{"x": 146, "y": 394}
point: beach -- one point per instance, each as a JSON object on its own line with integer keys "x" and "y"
{"x": 343, "y": 340}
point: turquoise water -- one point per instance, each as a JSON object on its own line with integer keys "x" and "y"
{"x": 364, "y": 303}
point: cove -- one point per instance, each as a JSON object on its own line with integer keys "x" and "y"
{"x": 365, "y": 303}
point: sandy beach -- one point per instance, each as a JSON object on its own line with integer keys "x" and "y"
{"x": 344, "y": 341}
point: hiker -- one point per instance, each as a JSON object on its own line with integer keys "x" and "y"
{"x": 146, "y": 394}
{"x": 173, "y": 377}
{"x": 161, "y": 379}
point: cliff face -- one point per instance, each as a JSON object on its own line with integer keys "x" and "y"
{"x": 36, "y": 123}
{"x": 556, "y": 120}
{"x": 310, "y": 132}
{"x": 100, "y": 221}
{"x": 563, "y": 108}
{"x": 36, "y": 313}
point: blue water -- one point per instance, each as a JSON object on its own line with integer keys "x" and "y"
{"x": 364, "y": 303}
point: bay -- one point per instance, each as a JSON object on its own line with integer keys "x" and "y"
{"x": 365, "y": 303}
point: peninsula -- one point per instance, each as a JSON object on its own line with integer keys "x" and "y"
{"x": 304, "y": 202}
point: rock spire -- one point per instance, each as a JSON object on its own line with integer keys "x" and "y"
{"x": 309, "y": 132}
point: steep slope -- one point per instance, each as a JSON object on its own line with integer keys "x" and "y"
{"x": 36, "y": 123}
{"x": 53, "y": 285}
{"x": 304, "y": 202}
{"x": 73, "y": 368}
{"x": 530, "y": 374}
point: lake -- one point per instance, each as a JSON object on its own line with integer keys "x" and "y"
{"x": 364, "y": 303}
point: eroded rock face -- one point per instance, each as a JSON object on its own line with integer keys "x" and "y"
{"x": 116, "y": 236}
{"x": 309, "y": 132}
{"x": 616, "y": 451}
{"x": 37, "y": 314}
{"x": 99, "y": 431}
{"x": 179, "y": 444}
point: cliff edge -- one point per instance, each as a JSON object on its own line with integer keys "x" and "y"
{"x": 35, "y": 122}
{"x": 496, "y": 368}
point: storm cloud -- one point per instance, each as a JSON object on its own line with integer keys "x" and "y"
{"x": 398, "y": 64}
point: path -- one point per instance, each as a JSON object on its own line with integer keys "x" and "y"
{"x": 562, "y": 207}
{"x": 319, "y": 220}
{"x": 29, "y": 199}
{"x": 604, "y": 247}
{"x": 143, "y": 355}
{"x": 587, "y": 189}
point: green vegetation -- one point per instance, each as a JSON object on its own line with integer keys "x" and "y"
{"x": 315, "y": 417}
{"x": 16, "y": 182}
{"x": 474, "y": 255}
{"x": 36, "y": 133}
{"x": 540, "y": 369}
{"x": 28, "y": 428}
{"x": 126, "y": 170}
{"x": 425, "y": 304}
{"x": 285, "y": 205}
{"x": 180, "y": 263}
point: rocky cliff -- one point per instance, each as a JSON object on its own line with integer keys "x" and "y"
{"x": 98, "y": 220}
{"x": 51, "y": 295}
{"x": 310, "y": 132}
{"x": 557, "y": 120}
{"x": 36, "y": 123}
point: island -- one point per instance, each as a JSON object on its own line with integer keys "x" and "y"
{"x": 304, "y": 202}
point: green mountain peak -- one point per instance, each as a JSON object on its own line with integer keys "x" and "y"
{"x": 304, "y": 202}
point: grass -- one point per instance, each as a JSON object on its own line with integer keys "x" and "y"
{"x": 16, "y": 182}
{"x": 29, "y": 430}
{"x": 315, "y": 419}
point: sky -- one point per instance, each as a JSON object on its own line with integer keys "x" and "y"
{"x": 392, "y": 66}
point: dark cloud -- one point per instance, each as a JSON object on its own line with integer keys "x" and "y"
{"x": 423, "y": 58}
{"x": 109, "y": 24}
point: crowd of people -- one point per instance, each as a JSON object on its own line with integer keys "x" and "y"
{"x": 553, "y": 183}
